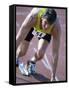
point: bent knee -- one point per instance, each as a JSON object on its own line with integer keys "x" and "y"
{"x": 20, "y": 54}
{"x": 22, "y": 49}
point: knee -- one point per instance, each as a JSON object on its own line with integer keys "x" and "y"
{"x": 20, "y": 52}
{"x": 39, "y": 55}
{"x": 22, "y": 49}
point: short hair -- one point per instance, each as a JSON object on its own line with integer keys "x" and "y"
{"x": 50, "y": 15}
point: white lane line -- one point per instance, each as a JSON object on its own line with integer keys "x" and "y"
{"x": 46, "y": 63}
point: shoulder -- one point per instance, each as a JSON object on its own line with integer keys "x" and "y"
{"x": 57, "y": 23}
{"x": 31, "y": 17}
{"x": 34, "y": 12}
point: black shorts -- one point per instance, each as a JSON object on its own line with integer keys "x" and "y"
{"x": 30, "y": 35}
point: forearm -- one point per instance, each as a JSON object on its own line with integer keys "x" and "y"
{"x": 55, "y": 63}
{"x": 56, "y": 44}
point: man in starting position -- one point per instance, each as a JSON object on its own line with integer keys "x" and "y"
{"x": 44, "y": 23}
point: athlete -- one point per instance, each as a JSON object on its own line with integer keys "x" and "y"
{"x": 44, "y": 23}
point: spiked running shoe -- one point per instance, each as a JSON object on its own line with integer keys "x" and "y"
{"x": 23, "y": 69}
{"x": 31, "y": 67}
{"x": 28, "y": 69}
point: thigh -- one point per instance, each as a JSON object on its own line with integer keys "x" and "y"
{"x": 23, "y": 46}
{"x": 42, "y": 45}
{"x": 27, "y": 40}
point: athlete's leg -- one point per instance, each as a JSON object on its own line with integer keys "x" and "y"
{"x": 23, "y": 46}
{"x": 42, "y": 46}
{"x": 21, "y": 51}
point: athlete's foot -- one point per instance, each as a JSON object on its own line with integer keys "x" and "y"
{"x": 31, "y": 67}
{"x": 28, "y": 69}
{"x": 23, "y": 69}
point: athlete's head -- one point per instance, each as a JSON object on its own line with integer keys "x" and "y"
{"x": 48, "y": 18}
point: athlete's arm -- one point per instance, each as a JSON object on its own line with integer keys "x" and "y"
{"x": 26, "y": 26}
{"x": 55, "y": 44}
